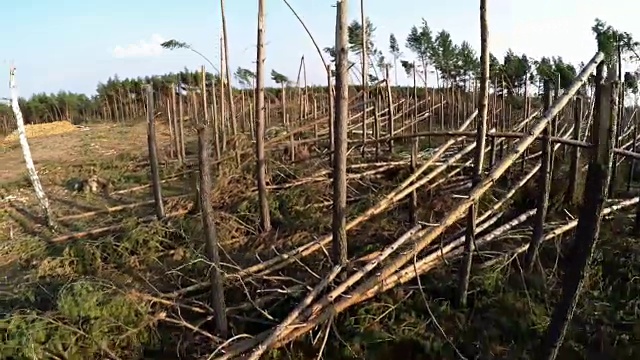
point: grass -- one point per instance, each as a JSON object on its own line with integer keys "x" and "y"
{"x": 103, "y": 296}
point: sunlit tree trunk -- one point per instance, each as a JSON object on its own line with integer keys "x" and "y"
{"x": 26, "y": 152}
{"x": 340, "y": 135}
{"x": 261, "y": 176}
{"x": 232, "y": 108}
{"x": 465, "y": 272}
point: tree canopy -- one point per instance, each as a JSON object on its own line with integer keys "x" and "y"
{"x": 457, "y": 64}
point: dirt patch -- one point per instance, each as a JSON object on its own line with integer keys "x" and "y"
{"x": 100, "y": 141}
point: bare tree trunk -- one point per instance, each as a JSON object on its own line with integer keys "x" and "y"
{"x": 390, "y": 112}
{"x": 332, "y": 120}
{"x": 634, "y": 146}
{"x": 365, "y": 78}
{"x": 194, "y": 106}
{"x": 171, "y": 130}
{"x": 243, "y": 111}
{"x": 177, "y": 129}
{"x": 205, "y": 111}
{"x": 216, "y": 120}
{"x": 545, "y": 187}
{"x": 305, "y": 105}
{"x": 588, "y": 229}
{"x": 211, "y": 239}
{"x": 376, "y": 125}
{"x": 223, "y": 104}
{"x": 620, "y": 115}
{"x": 26, "y": 152}
{"x": 413, "y": 201}
{"x": 465, "y": 272}
{"x": 153, "y": 154}
{"x": 574, "y": 169}
{"x": 340, "y": 135}
{"x": 183, "y": 150}
{"x": 265, "y": 219}
{"x": 232, "y": 108}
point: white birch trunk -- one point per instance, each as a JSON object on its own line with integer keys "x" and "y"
{"x": 26, "y": 152}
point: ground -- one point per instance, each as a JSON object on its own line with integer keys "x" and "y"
{"x": 106, "y": 141}
{"x": 105, "y": 291}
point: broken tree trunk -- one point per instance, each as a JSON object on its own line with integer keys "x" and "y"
{"x": 259, "y": 108}
{"x": 211, "y": 239}
{"x": 413, "y": 202}
{"x": 465, "y": 271}
{"x": 544, "y": 187}
{"x": 26, "y": 151}
{"x": 340, "y": 136}
{"x": 588, "y": 229}
{"x": 574, "y": 169}
{"x": 153, "y": 154}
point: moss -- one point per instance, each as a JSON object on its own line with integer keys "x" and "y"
{"x": 90, "y": 321}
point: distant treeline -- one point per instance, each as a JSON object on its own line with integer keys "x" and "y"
{"x": 456, "y": 68}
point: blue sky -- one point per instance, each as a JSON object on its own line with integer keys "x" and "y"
{"x": 70, "y": 44}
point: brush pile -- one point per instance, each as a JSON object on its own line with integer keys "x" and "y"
{"x": 418, "y": 250}
{"x": 41, "y": 130}
{"x": 439, "y": 180}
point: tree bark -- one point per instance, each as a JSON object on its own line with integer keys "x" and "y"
{"x": 465, "y": 272}
{"x": 211, "y": 239}
{"x": 153, "y": 155}
{"x": 574, "y": 168}
{"x": 261, "y": 176}
{"x": 544, "y": 187}
{"x": 232, "y": 108}
{"x": 587, "y": 231}
{"x": 340, "y": 136}
{"x": 26, "y": 152}
{"x": 365, "y": 78}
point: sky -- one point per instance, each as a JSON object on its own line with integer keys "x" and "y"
{"x": 73, "y": 45}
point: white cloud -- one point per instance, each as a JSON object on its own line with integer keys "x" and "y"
{"x": 144, "y": 48}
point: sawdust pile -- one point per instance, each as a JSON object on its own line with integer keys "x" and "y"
{"x": 40, "y": 130}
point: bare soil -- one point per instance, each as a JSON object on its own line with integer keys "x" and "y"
{"x": 103, "y": 141}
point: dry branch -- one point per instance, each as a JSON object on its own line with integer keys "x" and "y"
{"x": 282, "y": 327}
{"x": 431, "y": 234}
{"x": 108, "y": 229}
